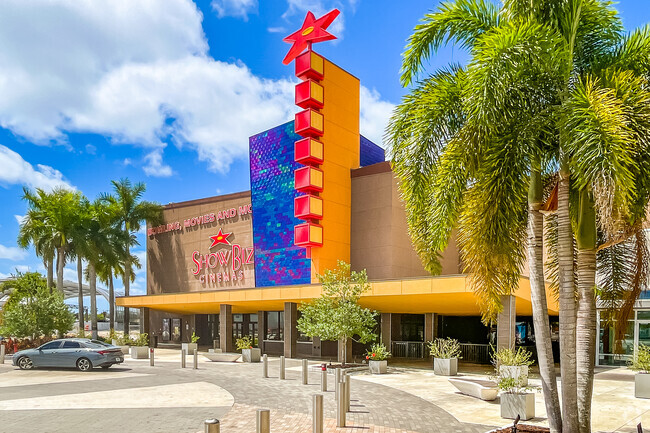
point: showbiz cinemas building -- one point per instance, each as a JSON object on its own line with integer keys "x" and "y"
{"x": 240, "y": 264}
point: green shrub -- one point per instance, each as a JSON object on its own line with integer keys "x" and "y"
{"x": 519, "y": 357}
{"x": 194, "y": 338}
{"x": 444, "y": 348}
{"x": 377, "y": 352}
{"x": 244, "y": 343}
{"x": 513, "y": 385}
{"x": 641, "y": 361}
{"x": 142, "y": 340}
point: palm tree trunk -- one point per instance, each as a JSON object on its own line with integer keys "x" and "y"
{"x": 81, "y": 294}
{"x": 127, "y": 285}
{"x": 586, "y": 316}
{"x": 567, "y": 309}
{"x": 538, "y": 301}
{"x": 92, "y": 280}
{"x": 50, "y": 272}
{"x": 60, "y": 263}
{"x": 111, "y": 301}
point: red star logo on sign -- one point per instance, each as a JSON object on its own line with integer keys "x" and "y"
{"x": 220, "y": 238}
{"x": 313, "y": 30}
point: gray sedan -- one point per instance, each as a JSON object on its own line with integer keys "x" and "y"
{"x": 82, "y": 353}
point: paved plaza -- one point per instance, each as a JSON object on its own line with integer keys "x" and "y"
{"x": 135, "y": 397}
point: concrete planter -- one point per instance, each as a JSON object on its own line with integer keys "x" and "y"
{"x": 518, "y": 404}
{"x": 139, "y": 352}
{"x": 251, "y": 355}
{"x": 125, "y": 349}
{"x": 515, "y": 371}
{"x": 445, "y": 366}
{"x": 642, "y": 385}
{"x": 189, "y": 347}
{"x": 114, "y": 342}
{"x": 378, "y": 367}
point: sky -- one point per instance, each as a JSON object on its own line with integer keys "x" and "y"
{"x": 167, "y": 92}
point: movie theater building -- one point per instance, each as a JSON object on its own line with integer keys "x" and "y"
{"x": 240, "y": 264}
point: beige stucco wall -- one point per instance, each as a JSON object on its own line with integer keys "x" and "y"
{"x": 379, "y": 233}
{"x": 170, "y": 268}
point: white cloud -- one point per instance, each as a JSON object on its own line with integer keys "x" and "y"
{"x": 276, "y": 30}
{"x": 90, "y": 149}
{"x": 374, "y": 117}
{"x": 155, "y": 166}
{"x": 16, "y": 171}
{"x": 12, "y": 253}
{"x": 234, "y": 8}
{"x": 141, "y": 76}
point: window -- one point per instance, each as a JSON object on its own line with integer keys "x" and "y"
{"x": 51, "y": 345}
{"x": 71, "y": 345}
{"x": 643, "y": 315}
{"x": 275, "y": 325}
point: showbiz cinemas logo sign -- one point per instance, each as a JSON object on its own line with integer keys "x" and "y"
{"x": 222, "y": 266}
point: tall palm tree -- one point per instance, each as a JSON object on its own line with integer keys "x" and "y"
{"x": 79, "y": 249}
{"x": 131, "y": 211}
{"x": 549, "y": 85}
{"x": 34, "y": 232}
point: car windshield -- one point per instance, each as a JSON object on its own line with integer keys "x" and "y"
{"x": 101, "y": 343}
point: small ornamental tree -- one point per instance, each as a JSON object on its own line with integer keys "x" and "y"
{"x": 337, "y": 315}
{"x": 31, "y": 310}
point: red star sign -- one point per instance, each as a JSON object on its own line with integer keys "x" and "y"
{"x": 220, "y": 238}
{"x": 313, "y": 30}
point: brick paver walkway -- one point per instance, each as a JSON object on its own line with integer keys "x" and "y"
{"x": 374, "y": 407}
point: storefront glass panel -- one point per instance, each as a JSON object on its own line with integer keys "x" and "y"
{"x": 275, "y": 325}
{"x": 607, "y": 351}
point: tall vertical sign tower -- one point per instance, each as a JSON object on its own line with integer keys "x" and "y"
{"x": 328, "y": 123}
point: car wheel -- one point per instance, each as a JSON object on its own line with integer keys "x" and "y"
{"x": 84, "y": 364}
{"x": 25, "y": 363}
{"x": 106, "y": 367}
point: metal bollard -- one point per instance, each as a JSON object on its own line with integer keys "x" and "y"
{"x": 337, "y": 382}
{"x": 323, "y": 378}
{"x": 318, "y": 413}
{"x": 212, "y": 426}
{"x": 347, "y": 392}
{"x": 305, "y": 372}
{"x": 263, "y": 421}
{"x": 282, "y": 367}
{"x": 265, "y": 366}
{"x": 340, "y": 405}
{"x": 183, "y": 354}
{"x": 151, "y": 356}
{"x": 196, "y": 360}
{"x": 2, "y": 353}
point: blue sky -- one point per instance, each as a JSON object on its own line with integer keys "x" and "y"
{"x": 167, "y": 92}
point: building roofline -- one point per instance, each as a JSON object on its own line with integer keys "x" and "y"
{"x": 206, "y": 200}
{"x": 380, "y": 167}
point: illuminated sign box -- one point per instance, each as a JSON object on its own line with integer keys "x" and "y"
{"x": 308, "y": 235}
{"x": 308, "y": 179}
{"x": 309, "y": 94}
{"x": 309, "y": 123}
{"x": 308, "y": 207}
{"x": 310, "y": 65}
{"x": 308, "y": 151}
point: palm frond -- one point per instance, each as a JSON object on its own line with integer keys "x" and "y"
{"x": 459, "y": 21}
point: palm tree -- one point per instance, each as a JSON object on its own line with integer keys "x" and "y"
{"x": 34, "y": 232}
{"x": 549, "y": 89}
{"x": 131, "y": 211}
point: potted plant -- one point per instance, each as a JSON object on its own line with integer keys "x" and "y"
{"x": 446, "y": 353}
{"x": 377, "y": 358}
{"x": 248, "y": 352}
{"x": 124, "y": 342}
{"x": 516, "y": 398}
{"x": 641, "y": 363}
{"x": 513, "y": 363}
{"x": 192, "y": 345}
{"x": 115, "y": 339}
{"x": 140, "y": 347}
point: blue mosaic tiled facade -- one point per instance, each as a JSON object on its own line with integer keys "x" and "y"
{"x": 369, "y": 152}
{"x": 278, "y": 261}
